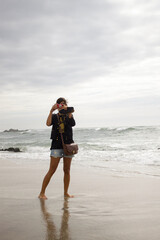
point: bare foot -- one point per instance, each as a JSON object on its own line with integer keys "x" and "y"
{"x": 68, "y": 196}
{"x": 42, "y": 196}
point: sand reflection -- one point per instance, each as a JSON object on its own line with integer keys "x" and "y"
{"x": 51, "y": 230}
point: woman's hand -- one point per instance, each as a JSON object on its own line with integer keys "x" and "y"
{"x": 70, "y": 115}
{"x": 54, "y": 107}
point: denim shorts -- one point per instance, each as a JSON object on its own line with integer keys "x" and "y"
{"x": 59, "y": 153}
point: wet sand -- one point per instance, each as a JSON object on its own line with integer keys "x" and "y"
{"x": 104, "y": 207}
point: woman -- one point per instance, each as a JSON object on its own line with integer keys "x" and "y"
{"x": 65, "y": 124}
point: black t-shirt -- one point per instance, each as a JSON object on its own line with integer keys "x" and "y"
{"x": 66, "y": 126}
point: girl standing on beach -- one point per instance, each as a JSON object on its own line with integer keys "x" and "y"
{"x": 57, "y": 152}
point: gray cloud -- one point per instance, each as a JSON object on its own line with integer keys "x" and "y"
{"x": 49, "y": 42}
{"x": 104, "y": 51}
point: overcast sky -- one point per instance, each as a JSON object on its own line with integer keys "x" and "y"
{"x": 102, "y": 55}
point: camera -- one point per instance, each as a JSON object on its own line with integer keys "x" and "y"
{"x": 68, "y": 110}
{"x": 59, "y": 105}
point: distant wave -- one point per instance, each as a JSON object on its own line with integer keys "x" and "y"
{"x": 124, "y": 129}
{"x": 120, "y": 129}
{"x": 109, "y": 129}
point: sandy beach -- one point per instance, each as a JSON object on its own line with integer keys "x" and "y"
{"x": 104, "y": 206}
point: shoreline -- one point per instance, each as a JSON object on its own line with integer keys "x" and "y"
{"x": 104, "y": 207}
{"x": 117, "y": 169}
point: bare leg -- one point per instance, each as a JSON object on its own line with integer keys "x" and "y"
{"x": 53, "y": 166}
{"x": 66, "y": 168}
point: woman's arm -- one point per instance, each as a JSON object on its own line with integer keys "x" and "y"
{"x": 49, "y": 119}
{"x": 71, "y": 120}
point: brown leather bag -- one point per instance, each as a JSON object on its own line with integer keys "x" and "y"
{"x": 69, "y": 149}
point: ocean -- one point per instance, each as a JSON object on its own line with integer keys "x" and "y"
{"x": 120, "y": 151}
